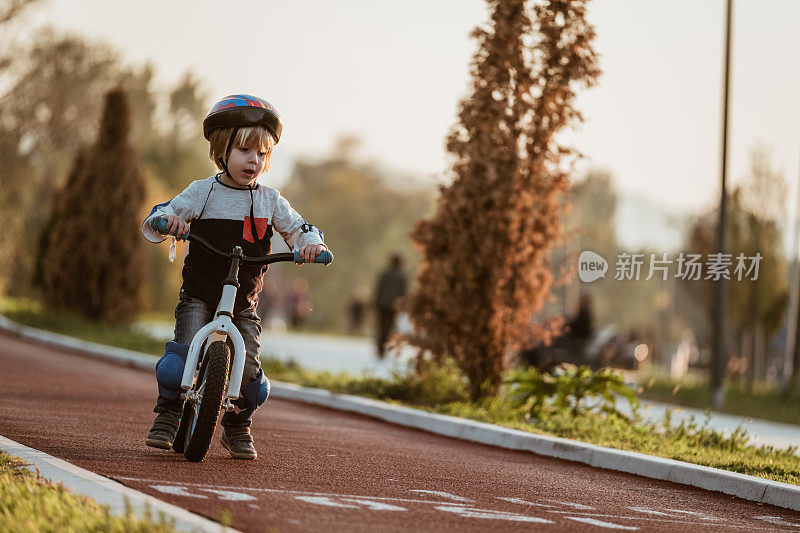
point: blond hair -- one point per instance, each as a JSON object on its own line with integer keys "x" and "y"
{"x": 257, "y": 136}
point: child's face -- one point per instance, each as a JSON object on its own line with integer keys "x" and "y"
{"x": 247, "y": 162}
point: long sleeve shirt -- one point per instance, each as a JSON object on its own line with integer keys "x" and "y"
{"x": 226, "y": 217}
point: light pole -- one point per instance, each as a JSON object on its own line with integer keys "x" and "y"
{"x": 718, "y": 354}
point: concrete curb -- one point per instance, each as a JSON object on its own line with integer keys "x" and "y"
{"x": 746, "y": 487}
{"x": 106, "y": 491}
{"x": 100, "y": 351}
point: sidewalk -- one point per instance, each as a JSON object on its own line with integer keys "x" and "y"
{"x": 357, "y": 354}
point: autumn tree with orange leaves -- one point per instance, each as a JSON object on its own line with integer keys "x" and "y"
{"x": 485, "y": 268}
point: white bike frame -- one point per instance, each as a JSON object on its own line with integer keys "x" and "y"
{"x": 218, "y": 329}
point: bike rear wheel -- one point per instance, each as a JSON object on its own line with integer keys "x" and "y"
{"x": 204, "y": 414}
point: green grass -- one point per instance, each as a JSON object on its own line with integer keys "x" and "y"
{"x": 33, "y": 314}
{"x": 764, "y": 402}
{"x": 31, "y": 504}
{"x": 442, "y": 390}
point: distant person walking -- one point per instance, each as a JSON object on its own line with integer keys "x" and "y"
{"x": 357, "y": 310}
{"x": 392, "y": 285}
{"x": 299, "y": 302}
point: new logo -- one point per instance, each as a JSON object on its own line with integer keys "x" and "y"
{"x": 591, "y": 266}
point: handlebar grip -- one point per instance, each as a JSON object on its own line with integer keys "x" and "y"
{"x": 159, "y": 224}
{"x": 325, "y": 257}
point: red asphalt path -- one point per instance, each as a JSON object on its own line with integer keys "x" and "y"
{"x": 324, "y": 470}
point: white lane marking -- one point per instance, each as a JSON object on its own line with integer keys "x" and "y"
{"x": 578, "y": 506}
{"x": 701, "y": 516}
{"x": 684, "y": 521}
{"x": 177, "y": 491}
{"x": 230, "y": 495}
{"x": 277, "y": 491}
{"x": 671, "y": 513}
{"x": 600, "y": 523}
{"x": 183, "y": 485}
{"x": 374, "y": 506}
{"x": 606, "y": 515}
{"x": 648, "y": 511}
{"x": 445, "y": 495}
{"x": 777, "y": 520}
{"x": 322, "y": 500}
{"x": 524, "y": 502}
{"x": 472, "y": 512}
{"x": 345, "y": 502}
{"x": 254, "y": 506}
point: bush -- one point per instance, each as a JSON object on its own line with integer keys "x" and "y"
{"x": 576, "y": 390}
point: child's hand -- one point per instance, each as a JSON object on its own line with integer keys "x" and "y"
{"x": 309, "y": 252}
{"x": 176, "y": 225}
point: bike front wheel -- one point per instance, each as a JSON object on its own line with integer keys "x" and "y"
{"x": 180, "y": 437}
{"x": 203, "y": 415}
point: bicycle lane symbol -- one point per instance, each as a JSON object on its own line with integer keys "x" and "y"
{"x": 457, "y": 504}
{"x": 462, "y": 509}
{"x": 467, "y": 508}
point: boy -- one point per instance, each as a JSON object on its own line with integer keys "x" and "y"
{"x": 227, "y": 209}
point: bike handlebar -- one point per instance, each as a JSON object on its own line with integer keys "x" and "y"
{"x": 159, "y": 224}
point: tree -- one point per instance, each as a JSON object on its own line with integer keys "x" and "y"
{"x": 177, "y": 151}
{"x": 51, "y": 97}
{"x": 590, "y": 225}
{"x": 485, "y": 268}
{"x": 95, "y": 263}
{"x": 48, "y": 110}
{"x": 593, "y": 208}
{"x": 756, "y": 307}
{"x": 370, "y": 219}
{"x": 11, "y": 9}
{"x": 763, "y": 200}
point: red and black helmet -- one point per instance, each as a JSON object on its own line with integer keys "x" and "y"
{"x": 242, "y": 110}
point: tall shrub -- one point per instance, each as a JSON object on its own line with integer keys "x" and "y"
{"x": 485, "y": 270}
{"x": 95, "y": 260}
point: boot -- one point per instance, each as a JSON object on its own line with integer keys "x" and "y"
{"x": 237, "y": 440}
{"x": 165, "y": 426}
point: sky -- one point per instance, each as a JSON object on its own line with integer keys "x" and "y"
{"x": 394, "y": 72}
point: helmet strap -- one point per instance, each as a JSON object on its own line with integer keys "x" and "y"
{"x": 224, "y": 164}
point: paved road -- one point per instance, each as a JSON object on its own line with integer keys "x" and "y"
{"x": 322, "y": 470}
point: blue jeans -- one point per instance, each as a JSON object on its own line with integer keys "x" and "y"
{"x": 191, "y": 314}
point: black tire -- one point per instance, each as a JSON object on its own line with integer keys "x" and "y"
{"x": 202, "y": 418}
{"x": 180, "y": 436}
{"x": 179, "y": 443}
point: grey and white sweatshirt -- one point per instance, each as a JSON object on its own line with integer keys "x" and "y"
{"x": 226, "y": 217}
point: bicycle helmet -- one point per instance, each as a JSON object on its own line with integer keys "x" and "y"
{"x": 242, "y": 110}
